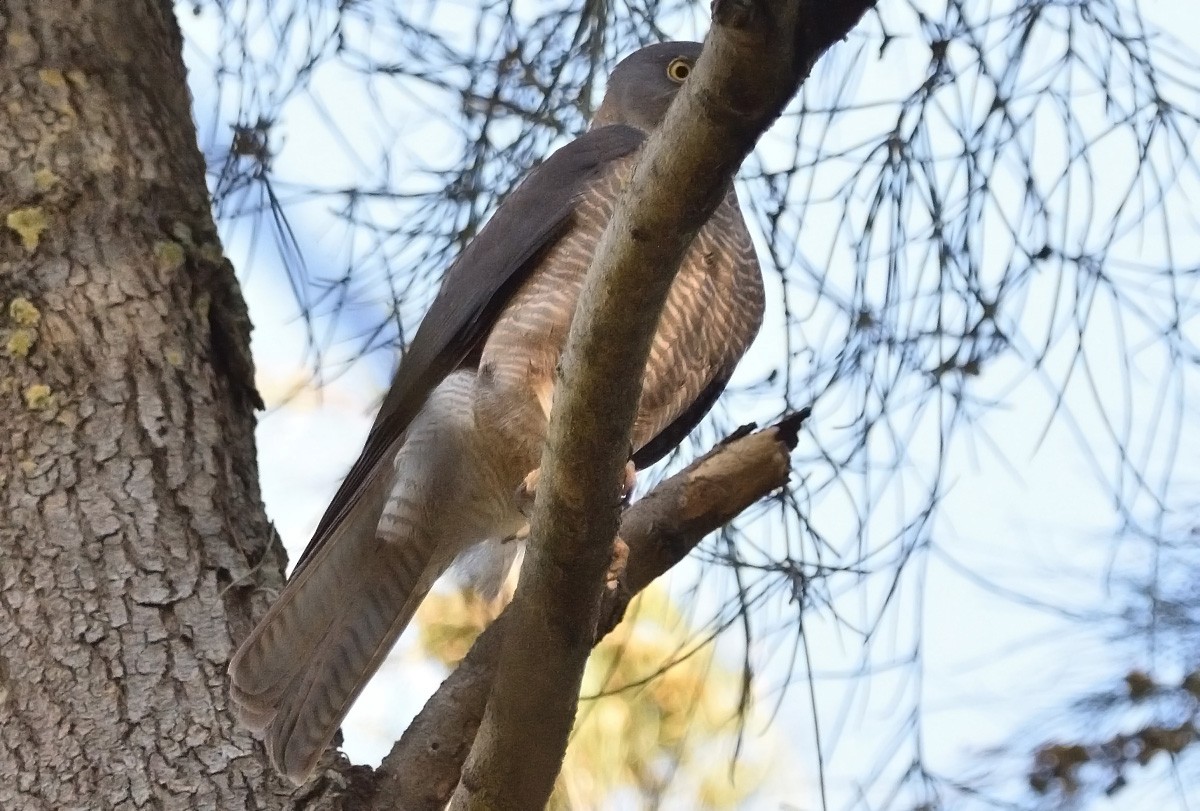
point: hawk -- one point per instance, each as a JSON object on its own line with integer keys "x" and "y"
{"x": 462, "y": 427}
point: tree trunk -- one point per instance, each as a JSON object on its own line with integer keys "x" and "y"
{"x": 131, "y": 523}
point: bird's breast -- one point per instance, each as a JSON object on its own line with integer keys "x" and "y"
{"x": 711, "y": 314}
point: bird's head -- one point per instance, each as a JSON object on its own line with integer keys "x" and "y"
{"x": 642, "y": 85}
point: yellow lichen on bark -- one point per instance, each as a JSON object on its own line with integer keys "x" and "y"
{"x": 20, "y": 343}
{"x": 58, "y": 96}
{"x": 23, "y": 313}
{"x": 52, "y": 77}
{"x": 26, "y": 317}
{"x": 38, "y": 397}
{"x": 29, "y": 223}
{"x": 45, "y": 179}
{"x": 169, "y": 255}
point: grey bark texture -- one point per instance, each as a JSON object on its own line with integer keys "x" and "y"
{"x": 130, "y": 494}
{"x": 134, "y": 549}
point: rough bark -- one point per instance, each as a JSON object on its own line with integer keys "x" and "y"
{"x": 732, "y": 96}
{"x": 130, "y": 495}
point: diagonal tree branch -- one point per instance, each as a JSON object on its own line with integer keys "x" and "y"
{"x": 661, "y": 529}
{"x": 755, "y": 57}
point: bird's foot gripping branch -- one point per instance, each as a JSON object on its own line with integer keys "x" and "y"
{"x": 660, "y": 529}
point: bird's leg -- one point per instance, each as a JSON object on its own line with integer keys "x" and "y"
{"x": 524, "y": 500}
{"x": 528, "y": 487}
{"x": 526, "y": 491}
{"x": 628, "y": 481}
{"x": 616, "y": 566}
{"x": 620, "y": 550}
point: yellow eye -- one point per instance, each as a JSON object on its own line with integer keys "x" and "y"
{"x": 678, "y": 70}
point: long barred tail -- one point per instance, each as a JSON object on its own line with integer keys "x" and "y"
{"x": 298, "y": 673}
{"x": 301, "y": 668}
